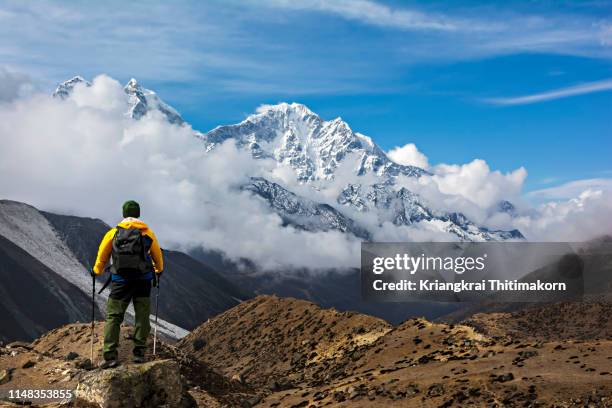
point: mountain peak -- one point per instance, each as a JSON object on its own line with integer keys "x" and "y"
{"x": 140, "y": 100}
{"x": 76, "y": 79}
{"x": 132, "y": 86}
{"x": 64, "y": 89}
{"x": 286, "y": 108}
{"x": 295, "y": 136}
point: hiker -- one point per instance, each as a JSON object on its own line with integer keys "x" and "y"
{"x": 136, "y": 262}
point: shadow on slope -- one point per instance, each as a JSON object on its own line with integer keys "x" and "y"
{"x": 33, "y": 298}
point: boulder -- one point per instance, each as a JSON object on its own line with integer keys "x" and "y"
{"x": 152, "y": 384}
{"x": 5, "y": 376}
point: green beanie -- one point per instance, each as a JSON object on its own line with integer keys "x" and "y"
{"x": 131, "y": 209}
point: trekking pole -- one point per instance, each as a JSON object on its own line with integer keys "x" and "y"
{"x": 156, "y": 310}
{"x": 93, "y": 316}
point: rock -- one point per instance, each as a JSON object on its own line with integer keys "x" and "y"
{"x": 319, "y": 395}
{"x": 502, "y": 378}
{"x": 251, "y": 402}
{"x": 5, "y": 376}
{"x": 71, "y": 356}
{"x": 198, "y": 344}
{"x": 279, "y": 384}
{"x": 19, "y": 344}
{"x": 435, "y": 390}
{"x": 28, "y": 364}
{"x": 353, "y": 393}
{"x": 84, "y": 364}
{"x": 412, "y": 390}
{"x": 339, "y": 396}
{"x": 238, "y": 378}
{"x": 152, "y": 384}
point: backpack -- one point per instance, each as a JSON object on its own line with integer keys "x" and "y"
{"x": 130, "y": 248}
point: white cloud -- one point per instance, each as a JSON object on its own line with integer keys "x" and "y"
{"x": 476, "y": 182}
{"x": 571, "y": 189}
{"x": 14, "y": 85}
{"x": 212, "y": 52}
{"x": 104, "y": 94}
{"x": 471, "y": 32}
{"x": 587, "y": 216}
{"x": 374, "y": 13}
{"x": 582, "y": 89}
{"x": 472, "y": 189}
{"x": 408, "y": 155}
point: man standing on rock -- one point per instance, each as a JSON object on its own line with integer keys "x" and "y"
{"x": 136, "y": 261}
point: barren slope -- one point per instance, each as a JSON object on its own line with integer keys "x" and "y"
{"x": 277, "y": 343}
{"x": 299, "y": 355}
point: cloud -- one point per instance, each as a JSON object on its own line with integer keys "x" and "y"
{"x": 575, "y": 211}
{"x": 582, "y": 89}
{"x": 85, "y": 157}
{"x": 472, "y": 189}
{"x": 374, "y": 13}
{"x": 256, "y": 47}
{"x": 471, "y": 32}
{"x": 408, "y": 155}
{"x": 476, "y": 182}
{"x": 571, "y": 189}
{"x": 14, "y": 85}
{"x": 578, "y": 219}
{"x": 105, "y": 94}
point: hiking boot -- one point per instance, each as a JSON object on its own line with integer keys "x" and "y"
{"x": 138, "y": 359}
{"x": 112, "y": 363}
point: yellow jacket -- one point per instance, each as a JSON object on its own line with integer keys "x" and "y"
{"x": 106, "y": 246}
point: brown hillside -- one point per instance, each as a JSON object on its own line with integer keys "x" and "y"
{"x": 299, "y": 355}
{"x": 559, "y": 321}
{"x": 276, "y": 342}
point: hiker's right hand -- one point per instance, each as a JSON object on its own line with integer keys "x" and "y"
{"x": 92, "y": 273}
{"x": 156, "y": 278}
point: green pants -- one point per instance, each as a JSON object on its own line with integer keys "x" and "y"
{"x": 121, "y": 295}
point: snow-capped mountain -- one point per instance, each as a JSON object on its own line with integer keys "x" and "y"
{"x": 140, "y": 100}
{"x": 301, "y": 212}
{"x": 294, "y": 136}
{"x": 65, "y": 88}
{"x": 403, "y": 207}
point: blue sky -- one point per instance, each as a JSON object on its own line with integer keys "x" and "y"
{"x": 523, "y": 83}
